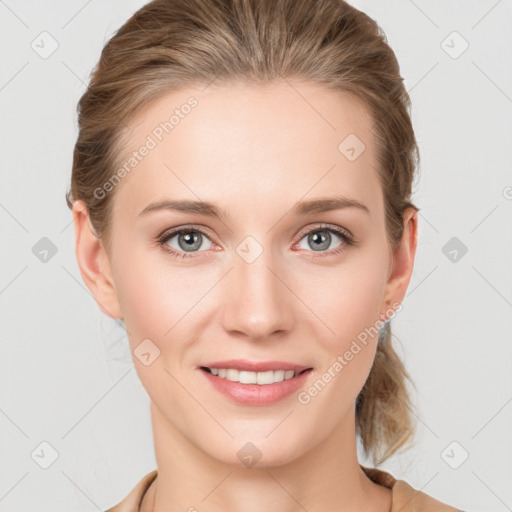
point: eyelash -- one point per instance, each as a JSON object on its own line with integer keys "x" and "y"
{"x": 343, "y": 234}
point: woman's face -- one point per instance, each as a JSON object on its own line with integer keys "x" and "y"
{"x": 269, "y": 278}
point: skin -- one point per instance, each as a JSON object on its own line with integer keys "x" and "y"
{"x": 254, "y": 151}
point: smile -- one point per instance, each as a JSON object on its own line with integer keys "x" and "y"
{"x": 249, "y": 377}
{"x": 264, "y": 385}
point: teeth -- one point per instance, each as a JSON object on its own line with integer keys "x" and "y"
{"x": 246, "y": 377}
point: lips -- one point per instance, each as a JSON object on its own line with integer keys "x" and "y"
{"x": 257, "y": 394}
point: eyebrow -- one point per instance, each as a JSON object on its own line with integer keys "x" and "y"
{"x": 302, "y": 208}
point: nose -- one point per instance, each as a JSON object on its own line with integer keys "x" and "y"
{"x": 258, "y": 305}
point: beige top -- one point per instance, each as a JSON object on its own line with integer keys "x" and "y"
{"x": 404, "y": 497}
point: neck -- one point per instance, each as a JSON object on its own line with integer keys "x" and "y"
{"x": 189, "y": 479}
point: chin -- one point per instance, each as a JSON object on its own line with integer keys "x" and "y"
{"x": 258, "y": 451}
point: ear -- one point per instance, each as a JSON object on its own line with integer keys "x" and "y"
{"x": 93, "y": 262}
{"x": 401, "y": 265}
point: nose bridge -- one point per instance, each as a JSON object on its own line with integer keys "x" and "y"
{"x": 257, "y": 303}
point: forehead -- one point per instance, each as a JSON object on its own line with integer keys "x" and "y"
{"x": 278, "y": 141}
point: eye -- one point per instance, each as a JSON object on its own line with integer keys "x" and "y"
{"x": 187, "y": 240}
{"x": 321, "y": 239}
{"x": 184, "y": 242}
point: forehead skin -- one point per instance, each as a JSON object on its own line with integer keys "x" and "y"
{"x": 254, "y": 150}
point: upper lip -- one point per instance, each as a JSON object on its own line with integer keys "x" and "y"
{"x": 256, "y": 366}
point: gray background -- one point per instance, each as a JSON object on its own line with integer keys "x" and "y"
{"x": 67, "y": 376}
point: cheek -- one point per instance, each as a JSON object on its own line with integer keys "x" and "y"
{"x": 352, "y": 313}
{"x": 346, "y": 298}
{"x": 155, "y": 301}
{"x": 159, "y": 301}
{"x": 150, "y": 299}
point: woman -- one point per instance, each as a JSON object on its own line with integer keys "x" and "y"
{"x": 220, "y": 142}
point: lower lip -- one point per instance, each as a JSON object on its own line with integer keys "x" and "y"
{"x": 255, "y": 394}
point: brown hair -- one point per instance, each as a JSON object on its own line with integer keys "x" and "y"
{"x": 171, "y": 44}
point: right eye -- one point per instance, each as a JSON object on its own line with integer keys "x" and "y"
{"x": 186, "y": 238}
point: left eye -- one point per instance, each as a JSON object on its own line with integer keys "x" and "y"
{"x": 321, "y": 239}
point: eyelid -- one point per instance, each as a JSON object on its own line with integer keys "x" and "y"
{"x": 324, "y": 225}
{"x": 164, "y": 237}
{"x": 176, "y": 230}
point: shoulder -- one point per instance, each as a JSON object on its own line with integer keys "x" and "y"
{"x": 405, "y": 497}
{"x": 408, "y": 499}
{"x": 133, "y": 499}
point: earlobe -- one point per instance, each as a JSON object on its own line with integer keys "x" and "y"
{"x": 93, "y": 262}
